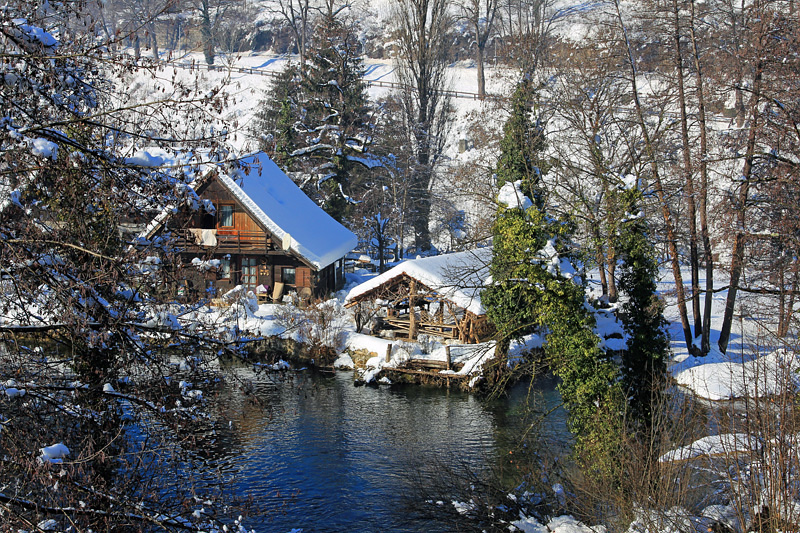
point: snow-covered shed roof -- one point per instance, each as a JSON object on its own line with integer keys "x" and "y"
{"x": 458, "y": 277}
{"x": 274, "y": 200}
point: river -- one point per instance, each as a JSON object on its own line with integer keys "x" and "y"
{"x": 318, "y": 454}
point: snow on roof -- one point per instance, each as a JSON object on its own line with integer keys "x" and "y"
{"x": 458, "y": 277}
{"x": 285, "y": 210}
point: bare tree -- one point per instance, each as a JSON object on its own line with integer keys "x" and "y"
{"x": 593, "y": 147}
{"x": 424, "y": 28}
{"x": 91, "y": 415}
{"x": 298, "y": 16}
{"x": 481, "y": 16}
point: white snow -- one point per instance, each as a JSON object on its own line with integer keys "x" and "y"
{"x": 458, "y": 277}
{"x": 147, "y": 158}
{"x": 511, "y": 195}
{"x": 43, "y": 148}
{"x": 768, "y": 375}
{"x": 54, "y": 453}
{"x": 559, "y": 524}
{"x": 713, "y": 445}
{"x": 275, "y": 201}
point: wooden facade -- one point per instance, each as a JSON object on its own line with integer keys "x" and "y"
{"x": 248, "y": 253}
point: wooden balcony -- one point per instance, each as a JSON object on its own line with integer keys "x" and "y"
{"x": 228, "y": 241}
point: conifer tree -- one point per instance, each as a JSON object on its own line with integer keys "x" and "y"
{"x": 316, "y": 121}
{"x": 523, "y": 141}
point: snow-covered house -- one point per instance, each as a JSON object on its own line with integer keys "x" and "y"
{"x": 258, "y": 230}
{"x": 438, "y": 295}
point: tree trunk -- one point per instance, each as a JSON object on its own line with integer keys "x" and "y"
{"x": 613, "y": 295}
{"x": 479, "y": 59}
{"x": 137, "y": 49}
{"x": 708, "y": 256}
{"x": 206, "y": 32}
{"x": 154, "y": 40}
{"x": 694, "y": 260}
{"x": 737, "y": 255}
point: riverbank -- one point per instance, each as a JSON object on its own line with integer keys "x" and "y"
{"x": 324, "y": 336}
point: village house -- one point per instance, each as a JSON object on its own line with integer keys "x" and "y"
{"x": 257, "y": 229}
{"x": 439, "y": 295}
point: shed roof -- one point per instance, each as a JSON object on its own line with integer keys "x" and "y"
{"x": 458, "y": 277}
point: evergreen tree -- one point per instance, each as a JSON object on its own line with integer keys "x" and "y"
{"x": 535, "y": 287}
{"x": 644, "y": 358}
{"x": 523, "y": 141}
{"x": 519, "y": 233}
{"x": 317, "y": 119}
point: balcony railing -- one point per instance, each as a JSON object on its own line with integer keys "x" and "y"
{"x": 223, "y": 240}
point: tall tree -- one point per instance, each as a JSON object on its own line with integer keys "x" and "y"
{"x": 424, "y": 36}
{"x": 651, "y": 156}
{"x": 535, "y": 287}
{"x": 644, "y": 358}
{"x": 88, "y": 397}
{"x": 321, "y": 129}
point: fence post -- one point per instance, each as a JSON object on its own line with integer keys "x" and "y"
{"x": 447, "y": 355}
{"x": 388, "y": 352}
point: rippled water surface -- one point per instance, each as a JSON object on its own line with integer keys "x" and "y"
{"x": 318, "y": 454}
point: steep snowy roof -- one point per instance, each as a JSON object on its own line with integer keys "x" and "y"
{"x": 270, "y": 197}
{"x": 458, "y": 277}
{"x": 275, "y": 201}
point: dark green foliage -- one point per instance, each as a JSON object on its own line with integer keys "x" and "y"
{"x": 534, "y": 289}
{"x": 522, "y": 143}
{"x": 316, "y": 123}
{"x": 644, "y": 359}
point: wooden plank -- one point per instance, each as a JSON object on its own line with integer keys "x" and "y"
{"x": 425, "y": 373}
{"x": 427, "y": 363}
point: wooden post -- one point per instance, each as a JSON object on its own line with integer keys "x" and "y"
{"x": 447, "y": 355}
{"x": 388, "y": 352}
{"x": 412, "y": 317}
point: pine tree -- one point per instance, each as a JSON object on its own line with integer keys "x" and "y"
{"x": 319, "y": 121}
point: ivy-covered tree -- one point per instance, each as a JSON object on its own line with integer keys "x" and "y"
{"x": 317, "y": 123}
{"x": 644, "y": 357}
{"x": 535, "y": 287}
{"x": 520, "y": 228}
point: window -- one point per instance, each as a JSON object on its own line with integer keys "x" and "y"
{"x": 224, "y": 271}
{"x": 249, "y": 274}
{"x": 287, "y": 276}
{"x": 226, "y": 215}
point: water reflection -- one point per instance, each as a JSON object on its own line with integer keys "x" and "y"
{"x": 315, "y": 452}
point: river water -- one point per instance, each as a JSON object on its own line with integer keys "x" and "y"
{"x": 315, "y": 453}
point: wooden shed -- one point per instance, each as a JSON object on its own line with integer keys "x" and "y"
{"x": 257, "y": 229}
{"x": 437, "y": 295}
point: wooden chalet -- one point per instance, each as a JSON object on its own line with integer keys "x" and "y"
{"x": 257, "y": 229}
{"x": 437, "y": 295}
